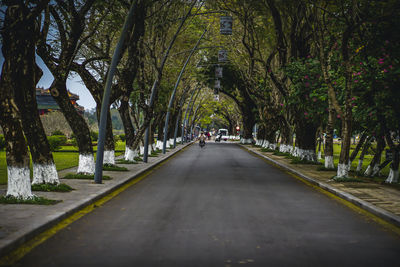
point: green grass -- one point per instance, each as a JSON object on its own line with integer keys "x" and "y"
{"x": 112, "y": 167}
{"x": 322, "y": 168}
{"x": 138, "y": 159}
{"x": 35, "y": 200}
{"x": 267, "y": 150}
{"x": 119, "y": 147}
{"x": 277, "y": 153}
{"x": 303, "y": 161}
{"x": 63, "y": 160}
{"x": 123, "y": 161}
{"x": 367, "y": 160}
{"x": 347, "y": 180}
{"x": 52, "y": 188}
{"x": 84, "y": 176}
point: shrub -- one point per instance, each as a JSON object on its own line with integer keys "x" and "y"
{"x": 94, "y": 135}
{"x": 2, "y": 142}
{"x": 56, "y": 141}
{"x": 57, "y": 132}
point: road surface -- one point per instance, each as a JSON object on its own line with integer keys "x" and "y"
{"x": 219, "y": 206}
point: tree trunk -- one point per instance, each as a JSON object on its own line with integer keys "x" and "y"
{"x": 44, "y": 169}
{"x": 367, "y": 144}
{"x": 109, "y": 145}
{"x": 21, "y": 50}
{"x": 343, "y": 168}
{"x": 305, "y": 141}
{"x": 373, "y": 167}
{"x": 130, "y": 151}
{"x": 78, "y": 125}
{"x": 328, "y": 152}
{"x": 286, "y": 145}
{"x": 393, "y": 176}
{"x": 18, "y": 172}
{"x": 248, "y": 124}
{"x": 18, "y": 36}
{"x": 361, "y": 142}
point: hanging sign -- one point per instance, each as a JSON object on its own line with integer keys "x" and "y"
{"x": 222, "y": 56}
{"x": 218, "y": 72}
{"x": 217, "y": 84}
{"x": 225, "y": 25}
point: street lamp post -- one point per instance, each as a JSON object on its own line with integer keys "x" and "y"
{"x": 188, "y": 110}
{"x": 178, "y": 118}
{"x": 171, "y": 101}
{"x": 98, "y": 173}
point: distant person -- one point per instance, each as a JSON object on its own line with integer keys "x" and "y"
{"x": 202, "y": 139}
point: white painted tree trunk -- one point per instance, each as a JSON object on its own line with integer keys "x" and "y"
{"x": 295, "y": 152}
{"x": 272, "y": 146}
{"x": 265, "y": 144}
{"x": 319, "y": 155}
{"x": 359, "y": 166}
{"x": 284, "y": 148}
{"x": 141, "y": 150}
{"x": 159, "y": 144}
{"x": 86, "y": 164}
{"x": 109, "y": 157}
{"x": 246, "y": 141}
{"x": 130, "y": 154}
{"x": 45, "y": 174}
{"x": 305, "y": 154}
{"x": 329, "y": 162}
{"x": 342, "y": 171}
{"x": 370, "y": 171}
{"x": 393, "y": 176}
{"x": 375, "y": 170}
{"x": 19, "y": 183}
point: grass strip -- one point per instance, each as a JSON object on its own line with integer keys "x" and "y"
{"x": 303, "y": 161}
{"x": 267, "y": 150}
{"x": 322, "y": 168}
{"x": 112, "y": 167}
{"x": 84, "y": 176}
{"x": 138, "y": 159}
{"x": 278, "y": 153}
{"x": 347, "y": 180}
{"x": 52, "y": 187}
{"x": 124, "y": 161}
{"x": 35, "y": 200}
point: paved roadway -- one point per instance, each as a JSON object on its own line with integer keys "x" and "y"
{"x": 219, "y": 206}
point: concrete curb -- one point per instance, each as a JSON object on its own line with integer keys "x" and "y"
{"x": 379, "y": 212}
{"x": 13, "y": 243}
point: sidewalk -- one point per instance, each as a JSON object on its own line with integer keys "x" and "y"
{"x": 379, "y": 199}
{"x": 21, "y": 222}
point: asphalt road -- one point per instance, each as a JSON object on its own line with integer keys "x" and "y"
{"x": 219, "y": 206}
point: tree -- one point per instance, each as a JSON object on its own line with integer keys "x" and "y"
{"x": 19, "y": 71}
{"x": 58, "y": 53}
